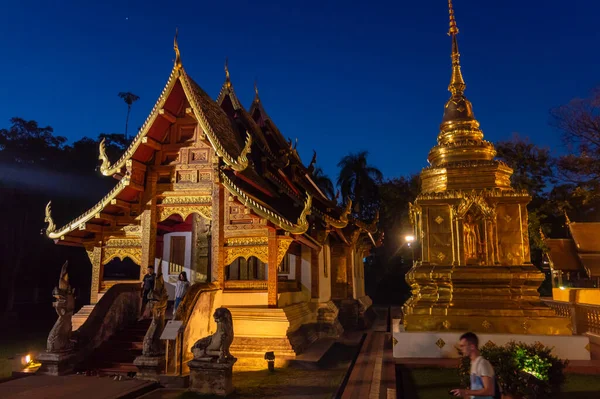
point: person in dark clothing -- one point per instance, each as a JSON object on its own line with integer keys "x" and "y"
{"x": 147, "y": 287}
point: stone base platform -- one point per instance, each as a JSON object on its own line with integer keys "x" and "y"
{"x": 442, "y": 345}
{"x": 150, "y": 367}
{"x": 57, "y": 363}
{"x": 211, "y": 377}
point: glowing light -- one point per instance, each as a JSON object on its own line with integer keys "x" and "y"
{"x": 562, "y": 288}
{"x": 27, "y": 359}
{"x": 409, "y": 238}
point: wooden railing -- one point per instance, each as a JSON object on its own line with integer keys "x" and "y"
{"x": 584, "y": 318}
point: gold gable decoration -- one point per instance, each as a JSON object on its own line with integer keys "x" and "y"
{"x": 259, "y": 251}
{"x": 134, "y": 253}
{"x": 184, "y": 211}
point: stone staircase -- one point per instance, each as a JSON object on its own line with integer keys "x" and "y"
{"x": 116, "y": 355}
{"x": 80, "y": 317}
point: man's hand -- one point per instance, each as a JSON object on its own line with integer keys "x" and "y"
{"x": 459, "y": 392}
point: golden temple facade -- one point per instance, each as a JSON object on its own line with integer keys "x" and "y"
{"x": 212, "y": 189}
{"x": 474, "y": 272}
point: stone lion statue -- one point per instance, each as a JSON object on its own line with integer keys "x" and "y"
{"x": 216, "y": 346}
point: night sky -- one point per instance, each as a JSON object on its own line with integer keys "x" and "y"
{"x": 341, "y": 76}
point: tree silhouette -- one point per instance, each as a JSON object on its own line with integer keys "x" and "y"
{"x": 323, "y": 182}
{"x": 129, "y": 99}
{"x": 358, "y": 181}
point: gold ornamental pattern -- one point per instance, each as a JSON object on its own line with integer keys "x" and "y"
{"x": 259, "y": 251}
{"x": 184, "y": 211}
{"x": 191, "y": 200}
{"x": 241, "y": 241}
{"x": 110, "y": 253}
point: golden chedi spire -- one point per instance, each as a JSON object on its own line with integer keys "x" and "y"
{"x": 460, "y": 141}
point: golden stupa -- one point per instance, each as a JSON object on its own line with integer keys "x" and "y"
{"x": 475, "y": 272}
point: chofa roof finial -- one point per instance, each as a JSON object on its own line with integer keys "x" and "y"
{"x": 176, "y": 48}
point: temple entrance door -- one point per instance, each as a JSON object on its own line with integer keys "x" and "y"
{"x": 184, "y": 246}
{"x": 119, "y": 271}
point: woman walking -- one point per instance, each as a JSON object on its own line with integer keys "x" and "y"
{"x": 180, "y": 289}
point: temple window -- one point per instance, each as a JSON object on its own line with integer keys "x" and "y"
{"x": 242, "y": 269}
{"x": 177, "y": 255}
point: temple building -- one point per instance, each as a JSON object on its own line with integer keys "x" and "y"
{"x": 575, "y": 261}
{"x": 474, "y": 271}
{"x": 215, "y": 190}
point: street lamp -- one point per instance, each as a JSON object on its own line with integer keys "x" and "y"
{"x": 409, "y": 241}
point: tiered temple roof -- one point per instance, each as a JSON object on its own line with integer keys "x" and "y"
{"x": 581, "y": 252}
{"x": 258, "y": 165}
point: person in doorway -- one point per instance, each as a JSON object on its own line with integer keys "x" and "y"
{"x": 180, "y": 289}
{"x": 483, "y": 384}
{"x": 147, "y": 287}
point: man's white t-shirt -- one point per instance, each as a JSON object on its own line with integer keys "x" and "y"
{"x": 480, "y": 367}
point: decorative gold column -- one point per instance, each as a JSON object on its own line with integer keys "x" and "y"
{"x": 200, "y": 244}
{"x": 95, "y": 255}
{"x": 148, "y": 223}
{"x": 272, "y": 265}
{"x": 217, "y": 255}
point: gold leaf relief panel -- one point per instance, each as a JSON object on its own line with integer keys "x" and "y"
{"x": 510, "y": 239}
{"x": 440, "y": 234}
{"x": 184, "y": 211}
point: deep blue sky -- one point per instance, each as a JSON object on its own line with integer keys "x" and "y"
{"x": 341, "y": 76}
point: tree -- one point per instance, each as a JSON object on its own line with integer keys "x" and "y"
{"x": 129, "y": 99}
{"x": 358, "y": 181}
{"x": 323, "y": 182}
{"x": 532, "y": 165}
{"x": 579, "y": 123}
{"x": 26, "y": 143}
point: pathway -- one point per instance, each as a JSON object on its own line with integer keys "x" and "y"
{"x": 72, "y": 387}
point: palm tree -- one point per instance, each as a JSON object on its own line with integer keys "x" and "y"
{"x": 323, "y": 182}
{"x": 358, "y": 181}
{"x": 129, "y": 99}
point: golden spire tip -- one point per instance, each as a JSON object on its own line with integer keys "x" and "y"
{"x": 453, "y": 28}
{"x": 176, "y": 48}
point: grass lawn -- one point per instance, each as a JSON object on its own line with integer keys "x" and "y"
{"x": 28, "y": 343}
{"x": 434, "y": 383}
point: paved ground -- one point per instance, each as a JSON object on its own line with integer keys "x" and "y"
{"x": 69, "y": 387}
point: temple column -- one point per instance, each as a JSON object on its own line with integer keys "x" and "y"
{"x": 148, "y": 223}
{"x": 349, "y": 272}
{"x": 272, "y": 265}
{"x": 95, "y": 255}
{"x": 217, "y": 240}
{"x": 298, "y": 266}
{"x": 314, "y": 273}
{"x": 200, "y": 244}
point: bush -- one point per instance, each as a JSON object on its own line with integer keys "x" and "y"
{"x": 522, "y": 370}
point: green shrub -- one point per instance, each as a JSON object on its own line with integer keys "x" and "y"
{"x": 523, "y": 370}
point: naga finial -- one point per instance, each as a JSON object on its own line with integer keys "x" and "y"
{"x": 256, "y": 89}
{"x": 347, "y": 209}
{"x": 105, "y": 166}
{"x": 227, "y": 77}
{"x": 305, "y": 212}
{"x": 48, "y": 219}
{"x": 313, "y": 161}
{"x": 542, "y": 235}
{"x": 568, "y": 221}
{"x": 176, "y": 48}
{"x": 242, "y": 160}
{"x": 63, "y": 281}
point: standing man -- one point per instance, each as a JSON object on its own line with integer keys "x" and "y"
{"x": 483, "y": 384}
{"x": 147, "y": 287}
